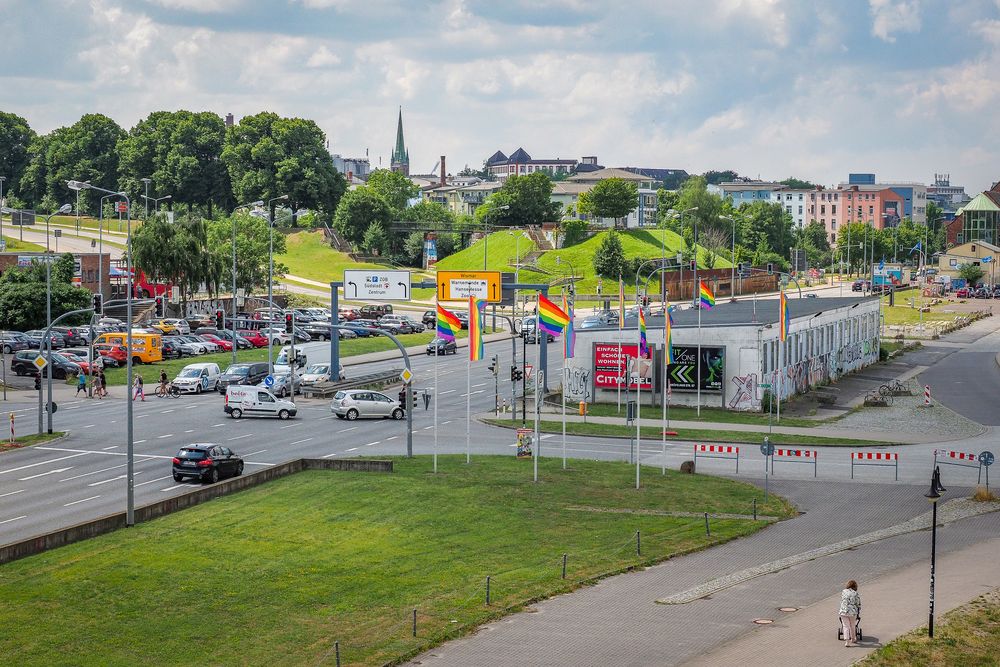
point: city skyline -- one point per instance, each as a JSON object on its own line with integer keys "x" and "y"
{"x": 767, "y": 88}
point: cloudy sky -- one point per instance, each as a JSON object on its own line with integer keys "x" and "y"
{"x": 770, "y": 88}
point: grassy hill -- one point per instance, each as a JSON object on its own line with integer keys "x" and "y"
{"x": 499, "y": 251}
{"x": 308, "y": 255}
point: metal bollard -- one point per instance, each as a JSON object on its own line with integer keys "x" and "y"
{"x": 754, "y": 509}
{"x": 414, "y": 622}
{"x": 487, "y": 590}
{"x": 638, "y": 544}
{"x": 708, "y": 533}
{"x": 336, "y": 648}
{"x": 564, "y": 566}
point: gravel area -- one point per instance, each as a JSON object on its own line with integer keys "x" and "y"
{"x": 908, "y": 415}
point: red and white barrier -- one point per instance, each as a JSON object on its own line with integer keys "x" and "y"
{"x": 927, "y": 396}
{"x": 809, "y": 456}
{"x": 959, "y": 459}
{"x": 727, "y": 452}
{"x": 879, "y": 459}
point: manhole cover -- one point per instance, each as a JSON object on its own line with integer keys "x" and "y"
{"x": 763, "y": 621}
{"x": 788, "y": 609}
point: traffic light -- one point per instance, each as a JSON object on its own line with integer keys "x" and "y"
{"x": 289, "y": 323}
{"x": 739, "y": 268}
{"x": 770, "y": 269}
{"x": 220, "y": 319}
{"x": 98, "y": 304}
{"x": 693, "y": 265}
{"x": 495, "y": 365}
{"x": 160, "y": 311}
{"x": 645, "y": 302}
{"x": 516, "y": 374}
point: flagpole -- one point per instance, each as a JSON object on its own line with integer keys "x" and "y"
{"x": 621, "y": 326}
{"x": 436, "y": 315}
{"x": 473, "y": 312}
{"x": 538, "y": 386}
{"x": 698, "y": 363}
{"x": 665, "y": 389}
{"x": 638, "y": 387}
{"x": 564, "y": 409}
{"x": 781, "y": 372}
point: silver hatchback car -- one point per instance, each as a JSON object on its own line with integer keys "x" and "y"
{"x": 354, "y": 403}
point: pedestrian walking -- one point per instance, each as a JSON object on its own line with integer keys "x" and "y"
{"x": 850, "y": 609}
{"x": 102, "y": 384}
{"x": 138, "y": 388}
{"x": 81, "y": 384}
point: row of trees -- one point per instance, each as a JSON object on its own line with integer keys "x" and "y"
{"x": 192, "y": 156}
{"x": 22, "y": 294}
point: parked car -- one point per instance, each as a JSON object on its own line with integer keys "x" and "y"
{"x": 349, "y": 314}
{"x": 114, "y": 355}
{"x": 171, "y": 349}
{"x": 415, "y": 325}
{"x": 607, "y": 317}
{"x": 37, "y": 334}
{"x": 302, "y": 315}
{"x": 60, "y": 366}
{"x": 206, "y": 462}
{"x": 443, "y": 347}
{"x": 191, "y": 345}
{"x": 861, "y": 285}
{"x": 320, "y": 373}
{"x": 242, "y": 374}
{"x": 319, "y": 314}
{"x": 276, "y": 335}
{"x": 196, "y": 378}
{"x": 73, "y": 335}
{"x": 241, "y": 342}
{"x": 253, "y": 336}
{"x": 347, "y": 334}
{"x": 211, "y": 345}
{"x": 429, "y": 318}
{"x": 982, "y": 293}
{"x": 963, "y": 292}
{"x": 593, "y": 322}
{"x": 180, "y": 326}
{"x": 226, "y": 345}
{"x": 374, "y": 310}
{"x": 13, "y": 341}
{"x": 282, "y": 384}
{"x": 362, "y": 333}
{"x": 463, "y": 318}
{"x": 395, "y": 324}
{"x": 78, "y": 360}
{"x": 281, "y": 361}
{"x": 528, "y": 331}
{"x": 318, "y": 330}
{"x": 242, "y": 401}
{"x": 354, "y": 403}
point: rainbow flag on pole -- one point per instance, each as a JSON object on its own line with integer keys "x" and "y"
{"x": 705, "y": 296}
{"x": 782, "y": 316}
{"x": 551, "y": 319}
{"x": 447, "y": 324}
{"x": 569, "y": 342}
{"x": 669, "y": 338}
{"x": 477, "y": 308}
{"x": 643, "y": 343}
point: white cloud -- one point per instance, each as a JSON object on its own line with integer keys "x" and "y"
{"x": 202, "y": 6}
{"x": 323, "y": 57}
{"x": 891, "y": 16}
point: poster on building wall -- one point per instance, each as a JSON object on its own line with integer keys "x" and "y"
{"x": 612, "y": 362}
{"x": 684, "y": 371}
{"x": 430, "y": 251}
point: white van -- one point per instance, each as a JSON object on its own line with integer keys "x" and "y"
{"x": 196, "y": 378}
{"x": 244, "y": 400}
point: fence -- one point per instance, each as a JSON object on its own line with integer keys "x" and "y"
{"x": 727, "y": 452}
{"x": 877, "y": 459}
{"x": 808, "y": 456}
{"x": 958, "y": 459}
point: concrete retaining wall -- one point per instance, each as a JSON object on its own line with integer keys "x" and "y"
{"x": 198, "y": 495}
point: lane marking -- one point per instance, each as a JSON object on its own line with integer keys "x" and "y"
{"x": 76, "y": 502}
{"x": 138, "y": 441}
{"x": 42, "y": 463}
{"x": 158, "y": 479}
{"x": 10, "y": 493}
{"x": 352, "y": 449}
{"x": 104, "y": 449}
{"x": 345, "y": 430}
{"x": 481, "y": 384}
{"x": 216, "y": 425}
{"x": 163, "y": 412}
{"x": 43, "y": 474}
{"x": 427, "y": 427}
{"x": 91, "y": 451}
{"x": 481, "y": 391}
{"x": 450, "y": 391}
{"x": 259, "y": 451}
{"x": 88, "y": 426}
{"x": 292, "y": 425}
{"x": 105, "y": 481}
{"x": 167, "y": 435}
{"x": 192, "y": 406}
{"x": 245, "y": 435}
{"x": 447, "y": 422}
{"x": 371, "y": 443}
{"x": 392, "y": 437}
{"x": 23, "y": 516}
{"x": 93, "y": 472}
{"x": 325, "y": 418}
{"x": 137, "y": 417}
{"x": 297, "y": 442}
{"x": 175, "y": 486}
{"x": 190, "y": 430}
{"x": 329, "y": 455}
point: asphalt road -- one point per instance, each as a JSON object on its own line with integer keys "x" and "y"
{"x": 967, "y": 379}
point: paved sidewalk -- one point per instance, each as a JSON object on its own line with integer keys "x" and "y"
{"x": 891, "y": 606}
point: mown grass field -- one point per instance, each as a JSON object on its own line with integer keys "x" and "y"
{"x": 965, "y": 637}
{"x": 16, "y": 245}
{"x": 718, "y": 415}
{"x": 654, "y": 434}
{"x": 309, "y": 256}
{"x": 904, "y": 313}
{"x": 27, "y": 440}
{"x": 499, "y": 251}
{"x": 274, "y": 575}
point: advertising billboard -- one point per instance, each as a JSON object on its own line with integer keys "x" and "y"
{"x": 683, "y": 372}
{"x": 611, "y": 363}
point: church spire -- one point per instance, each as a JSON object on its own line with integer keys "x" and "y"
{"x": 400, "y": 156}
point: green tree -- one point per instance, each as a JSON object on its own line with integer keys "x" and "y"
{"x": 935, "y": 235}
{"x": 972, "y": 273}
{"x": 713, "y": 177}
{"x": 268, "y": 156}
{"x": 15, "y": 138}
{"x": 253, "y": 241}
{"x": 769, "y": 222}
{"x": 84, "y": 151}
{"x": 180, "y": 151}
{"x": 23, "y": 294}
{"x": 374, "y": 240}
{"x": 666, "y": 201}
{"x": 357, "y": 211}
{"x": 573, "y": 232}
{"x": 393, "y": 187}
{"x": 609, "y": 260}
{"x": 528, "y": 199}
{"x": 694, "y": 194}
{"x": 797, "y": 183}
{"x": 179, "y": 253}
{"x": 611, "y": 198}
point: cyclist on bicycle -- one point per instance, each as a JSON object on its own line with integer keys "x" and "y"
{"x": 164, "y": 383}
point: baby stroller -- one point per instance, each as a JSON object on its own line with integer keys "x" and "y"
{"x": 857, "y": 627}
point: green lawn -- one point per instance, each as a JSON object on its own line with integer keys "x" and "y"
{"x": 290, "y": 567}
{"x": 904, "y": 313}
{"x": 654, "y": 433}
{"x": 92, "y": 224}
{"x": 965, "y": 637}
{"x": 309, "y": 256}
{"x": 719, "y": 415}
{"x": 500, "y": 251}
{"x": 16, "y": 245}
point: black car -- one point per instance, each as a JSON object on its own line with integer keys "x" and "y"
{"x": 982, "y": 293}
{"x": 246, "y": 374}
{"x": 13, "y": 341}
{"x": 37, "y": 335}
{"x": 61, "y": 366}
{"x": 73, "y": 335}
{"x": 430, "y": 318}
{"x": 318, "y": 330}
{"x": 371, "y": 324}
{"x": 416, "y": 325}
{"x": 170, "y": 349}
{"x": 241, "y": 342}
{"x": 206, "y": 462}
{"x": 443, "y": 347}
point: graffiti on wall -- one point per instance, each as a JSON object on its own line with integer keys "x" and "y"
{"x": 578, "y": 384}
{"x": 800, "y": 377}
{"x": 746, "y": 396}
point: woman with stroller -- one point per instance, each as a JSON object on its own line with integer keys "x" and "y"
{"x": 850, "y": 609}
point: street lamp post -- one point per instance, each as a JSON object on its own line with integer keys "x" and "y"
{"x": 2, "y": 179}
{"x": 130, "y": 435}
{"x": 270, "y": 277}
{"x": 156, "y": 202}
{"x": 65, "y": 208}
{"x": 145, "y": 182}
{"x": 232, "y": 219}
{"x": 933, "y": 496}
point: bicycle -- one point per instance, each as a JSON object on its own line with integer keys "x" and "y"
{"x": 167, "y": 391}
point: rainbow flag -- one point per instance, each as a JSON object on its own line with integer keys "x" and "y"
{"x": 447, "y": 324}
{"x": 669, "y": 337}
{"x": 643, "y": 343}
{"x": 551, "y": 318}
{"x": 569, "y": 342}
{"x": 705, "y": 296}
{"x": 477, "y": 308}
{"x": 621, "y": 303}
{"x": 782, "y": 316}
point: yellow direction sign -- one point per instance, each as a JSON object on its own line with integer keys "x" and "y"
{"x": 40, "y": 362}
{"x": 460, "y": 285}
